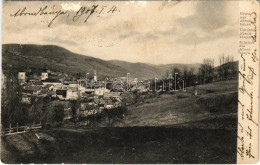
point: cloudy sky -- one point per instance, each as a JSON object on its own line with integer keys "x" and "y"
{"x": 157, "y": 32}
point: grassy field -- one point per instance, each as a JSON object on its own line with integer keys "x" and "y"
{"x": 214, "y": 100}
{"x": 171, "y": 128}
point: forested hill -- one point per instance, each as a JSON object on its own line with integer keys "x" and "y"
{"x": 38, "y": 57}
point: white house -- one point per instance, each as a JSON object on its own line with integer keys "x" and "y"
{"x": 44, "y": 76}
{"x": 81, "y": 90}
{"x": 72, "y": 94}
{"x": 21, "y": 77}
{"x": 100, "y": 91}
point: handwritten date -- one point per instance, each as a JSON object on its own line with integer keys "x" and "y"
{"x": 55, "y": 13}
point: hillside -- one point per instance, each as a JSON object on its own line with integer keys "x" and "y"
{"x": 150, "y": 70}
{"x": 56, "y": 58}
{"x": 38, "y": 57}
{"x": 216, "y": 103}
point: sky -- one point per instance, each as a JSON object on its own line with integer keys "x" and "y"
{"x": 156, "y": 32}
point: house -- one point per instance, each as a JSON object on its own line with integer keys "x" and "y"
{"x": 37, "y": 83}
{"x": 32, "y": 89}
{"x": 44, "y": 76}
{"x": 83, "y": 95}
{"x": 72, "y": 93}
{"x": 100, "y": 91}
{"x": 48, "y": 87}
{"x": 52, "y": 93}
{"x": 52, "y": 81}
{"x": 61, "y": 94}
{"x": 34, "y": 77}
{"x": 43, "y": 92}
{"x": 109, "y": 106}
{"x": 71, "y": 83}
{"x": 89, "y": 90}
{"x": 60, "y": 86}
{"x": 21, "y": 77}
{"x": 26, "y": 98}
{"x": 81, "y": 90}
{"x": 112, "y": 94}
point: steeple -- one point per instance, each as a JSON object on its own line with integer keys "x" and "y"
{"x": 95, "y": 75}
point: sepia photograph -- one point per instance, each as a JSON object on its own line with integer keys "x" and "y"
{"x": 127, "y": 82}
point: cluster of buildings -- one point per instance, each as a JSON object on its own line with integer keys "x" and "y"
{"x": 62, "y": 90}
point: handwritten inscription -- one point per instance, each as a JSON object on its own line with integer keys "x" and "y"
{"x": 83, "y": 11}
{"x": 247, "y": 117}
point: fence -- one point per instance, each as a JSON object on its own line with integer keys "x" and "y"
{"x": 20, "y": 129}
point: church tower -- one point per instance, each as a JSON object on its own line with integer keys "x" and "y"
{"x": 95, "y": 75}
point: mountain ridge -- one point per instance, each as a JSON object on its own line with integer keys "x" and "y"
{"x": 37, "y": 57}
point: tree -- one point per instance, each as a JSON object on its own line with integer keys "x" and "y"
{"x": 37, "y": 108}
{"x": 47, "y": 111}
{"x": 206, "y": 71}
{"x": 176, "y": 70}
{"x": 75, "y": 106}
{"x": 189, "y": 77}
{"x": 95, "y": 119}
{"x": 12, "y": 109}
{"x": 114, "y": 115}
{"x": 226, "y": 67}
{"x": 59, "y": 113}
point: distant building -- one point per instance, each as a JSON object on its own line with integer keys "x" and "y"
{"x": 61, "y": 94}
{"x": 48, "y": 87}
{"x": 72, "y": 93}
{"x": 34, "y": 77}
{"x": 89, "y": 90}
{"x": 26, "y": 98}
{"x": 112, "y": 94}
{"x": 43, "y": 93}
{"x": 32, "y": 89}
{"x": 60, "y": 86}
{"x": 44, "y": 76}
{"x": 71, "y": 83}
{"x": 37, "y": 83}
{"x": 51, "y": 81}
{"x": 95, "y": 75}
{"x": 100, "y": 91}
{"x": 109, "y": 106}
{"x": 21, "y": 77}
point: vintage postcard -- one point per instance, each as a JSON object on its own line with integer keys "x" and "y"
{"x": 130, "y": 82}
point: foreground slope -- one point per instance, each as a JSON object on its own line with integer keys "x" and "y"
{"x": 122, "y": 145}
